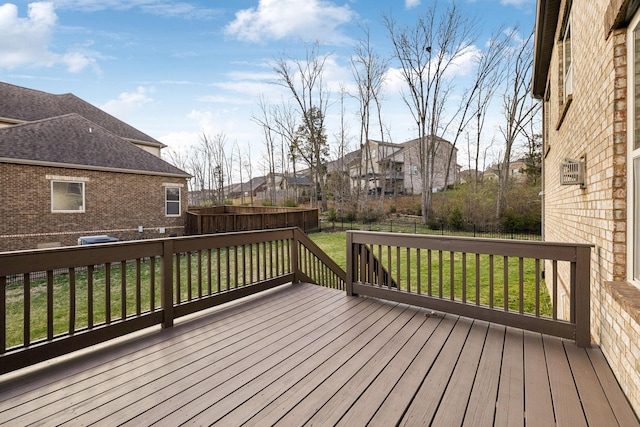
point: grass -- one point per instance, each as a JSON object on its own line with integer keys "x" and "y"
{"x": 140, "y": 296}
{"x": 62, "y": 290}
{"x": 146, "y": 295}
{"x": 334, "y": 244}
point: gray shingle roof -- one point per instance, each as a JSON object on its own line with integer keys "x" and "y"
{"x": 74, "y": 141}
{"x": 27, "y": 105}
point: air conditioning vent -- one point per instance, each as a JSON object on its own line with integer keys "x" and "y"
{"x": 572, "y": 172}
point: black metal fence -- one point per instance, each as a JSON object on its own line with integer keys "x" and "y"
{"x": 497, "y": 231}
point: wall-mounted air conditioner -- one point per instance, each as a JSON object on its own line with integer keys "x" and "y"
{"x": 572, "y": 172}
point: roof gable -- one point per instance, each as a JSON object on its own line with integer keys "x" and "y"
{"x": 74, "y": 141}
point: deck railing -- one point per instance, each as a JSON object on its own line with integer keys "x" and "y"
{"x": 515, "y": 283}
{"x": 91, "y": 294}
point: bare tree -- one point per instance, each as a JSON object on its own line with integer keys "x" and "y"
{"x": 368, "y": 71}
{"x": 339, "y": 177}
{"x": 476, "y": 100}
{"x": 240, "y": 170}
{"x": 280, "y": 120}
{"x": 519, "y": 109}
{"x": 286, "y": 125}
{"x": 304, "y": 79}
{"x": 248, "y": 167}
{"x": 211, "y": 164}
{"x": 179, "y": 159}
{"x": 426, "y": 52}
{"x": 265, "y": 120}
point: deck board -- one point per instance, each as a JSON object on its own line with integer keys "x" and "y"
{"x": 616, "y": 398}
{"x": 566, "y": 402}
{"x": 597, "y": 409}
{"x": 381, "y": 387}
{"x": 427, "y": 399}
{"x": 342, "y": 400}
{"x": 510, "y": 401}
{"x": 305, "y": 354}
{"x": 303, "y": 366}
{"x": 458, "y": 392}
{"x": 537, "y": 402}
{"x": 332, "y": 379}
{"x": 402, "y": 394}
{"x": 485, "y": 387}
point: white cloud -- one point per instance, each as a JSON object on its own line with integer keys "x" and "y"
{"x": 180, "y": 9}
{"x": 410, "y": 4}
{"x": 25, "y": 41}
{"x": 128, "y": 103}
{"x": 304, "y": 19}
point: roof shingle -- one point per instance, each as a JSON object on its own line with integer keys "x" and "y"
{"x": 27, "y": 105}
{"x": 74, "y": 141}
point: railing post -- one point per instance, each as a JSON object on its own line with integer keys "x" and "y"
{"x": 295, "y": 243}
{"x": 581, "y": 294}
{"x": 350, "y": 261}
{"x": 3, "y": 314}
{"x": 166, "y": 283}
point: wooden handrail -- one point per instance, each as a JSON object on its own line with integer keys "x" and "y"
{"x": 434, "y": 272}
{"x": 187, "y": 274}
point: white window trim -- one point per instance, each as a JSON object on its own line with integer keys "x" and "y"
{"x": 69, "y": 180}
{"x": 166, "y": 213}
{"x": 631, "y": 154}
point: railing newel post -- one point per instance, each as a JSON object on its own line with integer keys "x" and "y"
{"x": 581, "y": 281}
{"x": 294, "y": 256}
{"x": 350, "y": 264}
{"x": 166, "y": 281}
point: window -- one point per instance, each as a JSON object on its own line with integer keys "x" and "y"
{"x": 567, "y": 60}
{"x": 67, "y": 196}
{"x": 172, "y": 201}
{"x": 633, "y": 153}
{"x": 413, "y": 170}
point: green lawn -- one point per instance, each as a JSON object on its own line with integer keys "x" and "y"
{"x": 142, "y": 294}
{"x": 334, "y": 244}
{"x": 139, "y": 295}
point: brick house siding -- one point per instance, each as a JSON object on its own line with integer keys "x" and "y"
{"x": 116, "y": 205}
{"x": 61, "y": 142}
{"x": 593, "y": 125}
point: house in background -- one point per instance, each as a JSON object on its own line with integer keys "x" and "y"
{"x": 395, "y": 168}
{"x": 517, "y": 172}
{"x": 587, "y": 73}
{"x": 68, "y": 169}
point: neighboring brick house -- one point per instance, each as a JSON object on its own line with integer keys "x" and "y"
{"x": 587, "y": 72}
{"x": 80, "y": 172}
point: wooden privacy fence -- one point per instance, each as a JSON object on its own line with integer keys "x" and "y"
{"x": 113, "y": 289}
{"x": 224, "y": 219}
{"x": 499, "y": 281}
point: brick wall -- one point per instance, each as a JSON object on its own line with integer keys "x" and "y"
{"x": 115, "y": 204}
{"x": 620, "y": 335}
{"x": 594, "y": 126}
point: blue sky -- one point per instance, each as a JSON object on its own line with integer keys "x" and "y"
{"x": 176, "y": 69}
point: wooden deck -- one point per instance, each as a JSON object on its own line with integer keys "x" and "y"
{"x": 303, "y": 354}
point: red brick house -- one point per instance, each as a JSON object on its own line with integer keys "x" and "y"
{"x": 68, "y": 169}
